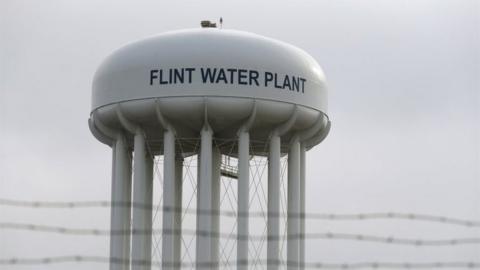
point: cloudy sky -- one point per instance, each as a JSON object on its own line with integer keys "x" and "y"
{"x": 404, "y": 79}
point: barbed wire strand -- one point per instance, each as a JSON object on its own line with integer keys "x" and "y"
{"x": 309, "y": 265}
{"x": 319, "y": 216}
{"x": 256, "y": 238}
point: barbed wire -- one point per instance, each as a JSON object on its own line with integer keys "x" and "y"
{"x": 256, "y": 238}
{"x": 309, "y": 265}
{"x": 58, "y": 204}
{"x": 319, "y": 216}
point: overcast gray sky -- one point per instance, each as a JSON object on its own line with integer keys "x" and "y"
{"x": 404, "y": 80}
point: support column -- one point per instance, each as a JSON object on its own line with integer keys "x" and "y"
{"x": 243, "y": 199}
{"x": 148, "y": 210}
{"x": 204, "y": 206}
{"x": 168, "y": 199}
{"x": 216, "y": 163}
{"x": 140, "y": 211}
{"x": 121, "y": 205}
{"x": 303, "y": 153}
{"x": 293, "y": 220}
{"x": 177, "y": 237}
{"x": 273, "y": 207}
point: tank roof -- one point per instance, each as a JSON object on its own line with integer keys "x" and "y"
{"x": 210, "y": 62}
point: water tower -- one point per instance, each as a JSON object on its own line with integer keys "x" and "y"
{"x": 256, "y": 95}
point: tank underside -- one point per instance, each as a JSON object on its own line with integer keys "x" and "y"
{"x": 224, "y": 115}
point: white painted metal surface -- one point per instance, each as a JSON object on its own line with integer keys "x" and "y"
{"x": 293, "y": 204}
{"x": 138, "y": 64}
{"x": 216, "y": 174}
{"x": 243, "y": 198}
{"x": 177, "y": 237}
{"x": 303, "y": 160}
{"x": 204, "y": 197}
{"x": 120, "y": 211}
{"x": 169, "y": 200}
{"x": 245, "y": 90}
{"x": 243, "y": 185}
{"x": 139, "y": 213}
{"x": 148, "y": 210}
{"x": 273, "y": 205}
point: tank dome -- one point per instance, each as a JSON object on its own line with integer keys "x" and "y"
{"x": 212, "y": 75}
